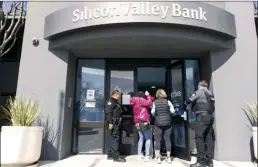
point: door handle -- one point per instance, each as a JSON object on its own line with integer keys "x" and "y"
{"x": 184, "y": 115}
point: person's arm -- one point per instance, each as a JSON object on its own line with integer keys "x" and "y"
{"x": 131, "y": 101}
{"x": 146, "y": 102}
{"x": 153, "y": 109}
{"x": 135, "y": 117}
{"x": 171, "y": 107}
{"x": 194, "y": 97}
{"x": 109, "y": 111}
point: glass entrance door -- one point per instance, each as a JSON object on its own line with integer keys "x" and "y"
{"x": 176, "y": 94}
{"x": 89, "y": 111}
{"x": 124, "y": 80}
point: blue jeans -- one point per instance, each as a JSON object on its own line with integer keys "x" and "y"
{"x": 144, "y": 135}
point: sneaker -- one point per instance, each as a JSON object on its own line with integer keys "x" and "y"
{"x": 146, "y": 158}
{"x": 158, "y": 160}
{"x": 109, "y": 157}
{"x": 140, "y": 157}
{"x": 119, "y": 159}
{"x": 168, "y": 160}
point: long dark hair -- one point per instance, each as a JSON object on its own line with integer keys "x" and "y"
{"x": 140, "y": 94}
{"x": 131, "y": 93}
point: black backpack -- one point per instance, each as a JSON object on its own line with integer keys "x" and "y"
{"x": 210, "y": 102}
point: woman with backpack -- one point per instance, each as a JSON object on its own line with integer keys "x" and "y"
{"x": 140, "y": 104}
{"x": 162, "y": 110}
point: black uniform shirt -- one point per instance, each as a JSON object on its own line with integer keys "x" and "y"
{"x": 199, "y": 100}
{"x": 113, "y": 110}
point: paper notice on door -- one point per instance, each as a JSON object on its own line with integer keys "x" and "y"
{"x": 90, "y": 104}
{"x": 126, "y": 99}
{"x": 90, "y": 94}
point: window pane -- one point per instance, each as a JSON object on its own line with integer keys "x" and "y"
{"x": 177, "y": 89}
{"x": 192, "y": 78}
{"x": 91, "y": 81}
{"x": 122, "y": 81}
{"x": 146, "y": 81}
{"x": 90, "y": 105}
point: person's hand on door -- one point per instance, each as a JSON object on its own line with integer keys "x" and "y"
{"x": 110, "y": 126}
{"x": 137, "y": 126}
{"x": 147, "y": 93}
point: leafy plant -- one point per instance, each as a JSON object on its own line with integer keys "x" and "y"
{"x": 22, "y": 111}
{"x": 252, "y": 113}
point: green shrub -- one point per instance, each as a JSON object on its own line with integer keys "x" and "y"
{"x": 22, "y": 111}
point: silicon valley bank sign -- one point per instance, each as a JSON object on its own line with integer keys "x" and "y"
{"x": 140, "y": 9}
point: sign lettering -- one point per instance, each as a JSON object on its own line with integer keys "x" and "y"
{"x": 141, "y": 9}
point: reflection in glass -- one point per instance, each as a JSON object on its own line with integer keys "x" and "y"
{"x": 90, "y": 105}
{"x": 146, "y": 81}
{"x": 179, "y": 135}
{"x": 177, "y": 89}
{"x": 91, "y": 80}
{"x": 192, "y": 78}
{"x": 122, "y": 81}
{"x": 178, "y": 103}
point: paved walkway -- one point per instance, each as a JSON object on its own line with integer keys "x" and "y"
{"x": 101, "y": 161}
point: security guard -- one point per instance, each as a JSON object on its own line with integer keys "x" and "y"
{"x": 202, "y": 104}
{"x": 113, "y": 112}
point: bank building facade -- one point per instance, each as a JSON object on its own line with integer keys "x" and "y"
{"x": 88, "y": 49}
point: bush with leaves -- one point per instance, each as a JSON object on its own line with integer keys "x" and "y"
{"x": 22, "y": 111}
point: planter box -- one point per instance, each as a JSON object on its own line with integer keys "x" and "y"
{"x": 255, "y": 141}
{"x": 20, "y": 145}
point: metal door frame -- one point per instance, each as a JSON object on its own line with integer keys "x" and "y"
{"x": 183, "y": 153}
{"x": 76, "y": 122}
{"x": 109, "y": 68}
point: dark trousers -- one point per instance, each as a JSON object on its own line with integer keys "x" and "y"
{"x": 205, "y": 138}
{"x": 165, "y": 132}
{"x": 114, "y": 141}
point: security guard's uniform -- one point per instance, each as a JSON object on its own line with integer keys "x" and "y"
{"x": 204, "y": 132}
{"x": 113, "y": 112}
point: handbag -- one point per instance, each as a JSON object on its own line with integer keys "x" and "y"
{"x": 144, "y": 126}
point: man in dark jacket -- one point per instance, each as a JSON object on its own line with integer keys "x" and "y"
{"x": 113, "y": 112}
{"x": 204, "y": 132}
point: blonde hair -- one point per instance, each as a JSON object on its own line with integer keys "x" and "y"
{"x": 161, "y": 94}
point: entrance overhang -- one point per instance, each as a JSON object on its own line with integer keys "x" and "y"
{"x": 159, "y": 29}
{"x": 87, "y": 14}
{"x": 140, "y": 41}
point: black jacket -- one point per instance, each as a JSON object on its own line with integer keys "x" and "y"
{"x": 199, "y": 100}
{"x": 113, "y": 111}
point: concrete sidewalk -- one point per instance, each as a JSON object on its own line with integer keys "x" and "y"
{"x": 101, "y": 161}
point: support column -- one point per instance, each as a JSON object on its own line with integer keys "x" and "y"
{"x": 44, "y": 77}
